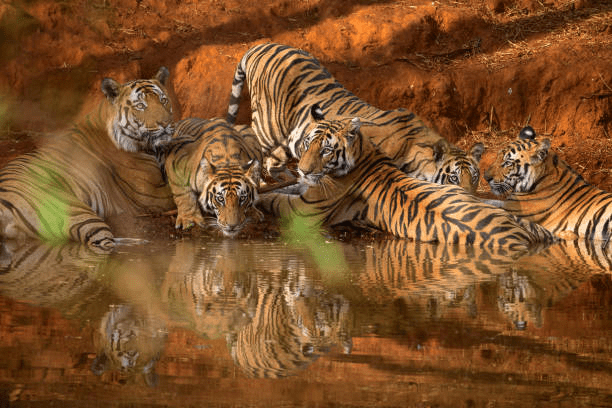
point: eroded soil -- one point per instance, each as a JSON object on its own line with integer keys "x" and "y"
{"x": 475, "y": 70}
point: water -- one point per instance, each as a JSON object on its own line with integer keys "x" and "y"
{"x": 202, "y": 321}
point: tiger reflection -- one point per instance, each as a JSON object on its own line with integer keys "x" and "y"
{"x": 518, "y": 299}
{"x": 437, "y": 280}
{"x": 541, "y": 280}
{"x": 275, "y": 318}
{"x": 69, "y": 278}
{"x": 208, "y": 289}
{"x": 294, "y": 323}
{"x": 401, "y": 268}
{"x": 63, "y": 277}
{"x": 129, "y": 342}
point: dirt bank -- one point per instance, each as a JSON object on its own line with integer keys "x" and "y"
{"x": 476, "y": 70}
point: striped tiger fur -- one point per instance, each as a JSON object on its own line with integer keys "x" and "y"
{"x": 292, "y": 325}
{"x": 131, "y": 341}
{"x": 276, "y": 315}
{"x": 76, "y": 179}
{"x": 538, "y": 185}
{"x": 351, "y": 181}
{"x": 213, "y": 168}
{"x": 285, "y": 82}
{"x": 437, "y": 279}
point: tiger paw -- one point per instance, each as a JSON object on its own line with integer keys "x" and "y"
{"x": 188, "y": 221}
{"x": 257, "y": 214}
{"x": 104, "y": 245}
{"x": 567, "y": 235}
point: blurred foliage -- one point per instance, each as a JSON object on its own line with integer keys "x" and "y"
{"x": 305, "y": 232}
{"x": 53, "y": 211}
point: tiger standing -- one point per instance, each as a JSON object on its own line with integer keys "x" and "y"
{"x": 213, "y": 168}
{"x": 350, "y": 181}
{"x": 538, "y": 185}
{"x": 66, "y": 188}
{"x": 284, "y": 83}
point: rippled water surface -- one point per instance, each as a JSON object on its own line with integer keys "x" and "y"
{"x": 212, "y": 322}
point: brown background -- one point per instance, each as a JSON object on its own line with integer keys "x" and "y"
{"x": 475, "y": 70}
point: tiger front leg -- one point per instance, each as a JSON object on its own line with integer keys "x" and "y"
{"x": 188, "y": 210}
{"x": 290, "y": 205}
{"x": 275, "y": 165}
{"x": 85, "y": 226}
{"x": 276, "y": 204}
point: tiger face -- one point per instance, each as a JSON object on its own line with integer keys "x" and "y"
{"x": 140, "y": 117}
{"x": 460, "y": 168}
{"x": 329, "y": 149}
{"x": 519, "y": 165}
{"x": 230, "y": 193}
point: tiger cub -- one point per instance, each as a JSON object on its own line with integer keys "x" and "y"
{"x": 284, "y": 82}
{"x": 68, "y": 187}
{"x": 213, "y": 168}
{"x": 351, "y": 181}
{"x": 538, "y": 185}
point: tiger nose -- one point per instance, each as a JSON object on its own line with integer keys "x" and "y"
{"x": 487, "y": 176}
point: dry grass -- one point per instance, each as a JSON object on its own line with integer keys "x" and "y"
{"x": 551, "y": 27}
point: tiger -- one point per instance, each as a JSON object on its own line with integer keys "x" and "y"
{"x": 538, "y": 185}
{"x": 285, "y": 82}
{"x": 102, "y": 166}
{"x": 349, "y": 180}
{"x": 213, "y": 168}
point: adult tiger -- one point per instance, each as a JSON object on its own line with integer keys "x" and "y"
{"x": 350, "y": 181}
{"x": 214, "y": 168}
{"x": 284, "y": 82}
{"x": 543, "y": 188}
{"x": 77, "y": 178}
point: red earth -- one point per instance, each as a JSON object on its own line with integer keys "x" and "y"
{"x": 475, "y": 70}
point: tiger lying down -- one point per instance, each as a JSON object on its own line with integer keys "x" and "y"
{"x": 539, "y": 186}
{"x": 349, "y": 180}
{"x": 66, "y": 188}
{"x": 213, "y": 168}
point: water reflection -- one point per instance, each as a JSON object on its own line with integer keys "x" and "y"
{"x": 433, "y": 279}
{"x": 62, "y": 277}
{"x": 129, "y": 341}
{"x": 274, "y": 315}
{"x": 262, "y": 309}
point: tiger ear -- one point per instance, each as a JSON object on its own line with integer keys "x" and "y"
{"x": 353, "y": 130}
{"x": 542, "y": 151}
{"x": 440, "y": 149}
{"x": 253, "y": 171}
{"x": 316, "y": 112}
{"x": 476, "y": 151}
{"x": 162, "y": 75}
{"x": 207, "y": 166}
{"x": 111, "y": 88}
{"x": 527, "y": 133}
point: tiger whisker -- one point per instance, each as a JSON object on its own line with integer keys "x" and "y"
{"x": 327, "y": 183}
